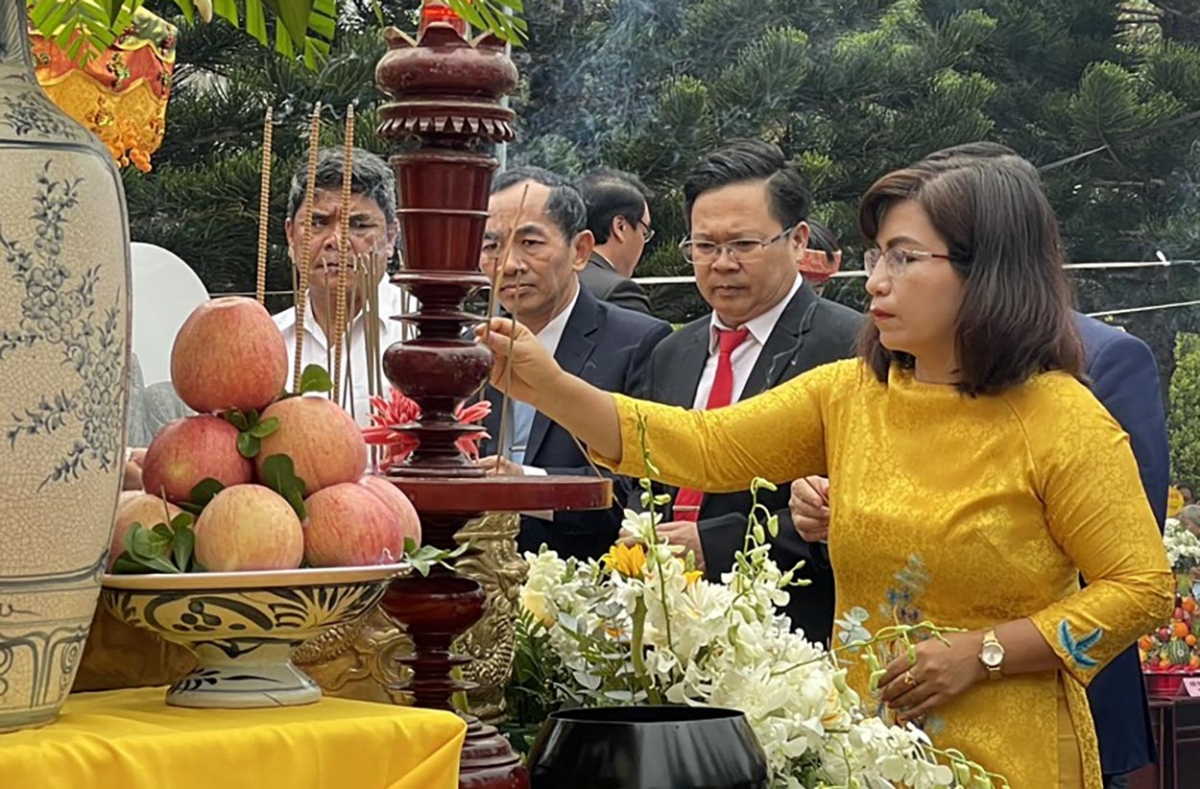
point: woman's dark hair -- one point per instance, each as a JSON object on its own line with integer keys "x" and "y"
{"x": 608, "y": 194}
{"x": 1015, "y": 320}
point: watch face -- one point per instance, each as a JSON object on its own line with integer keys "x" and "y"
{"x": 992, "y": 655}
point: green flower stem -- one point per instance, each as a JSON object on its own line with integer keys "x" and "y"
{"x": 649, "y": 488}
{"x": 885, "y": 636}
{"x": 639, "y": 661}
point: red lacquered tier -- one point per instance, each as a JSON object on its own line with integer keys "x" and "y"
{"x": 467, "y": 496}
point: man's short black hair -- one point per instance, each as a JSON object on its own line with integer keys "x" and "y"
{"x": 823, "y": 239}
{"x": 564, "y": 205}
{"x": 739, "y": 161}
{"x": 608, "y": 194}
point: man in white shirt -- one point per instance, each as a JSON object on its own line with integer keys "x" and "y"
{"x": 373, "y": 231}
{"x": 748, "y": 209}
{"x": 604, "y": 344}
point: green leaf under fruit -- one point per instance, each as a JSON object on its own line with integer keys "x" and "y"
{"x": 237, "y": 419}
{"x": 165, "y": 548}
{"x": 251, "y": 430}
{"x": 184, "y": 543}
{"x": 265, "y": 428}
{"x": 146, "y": 543}
{"x": 204, "y": 491}
{"x": 126, "y": 565}
{"x": 424, "y": 558}
{"x": 248, "y": 445}
{"x": 279, "y": 474}
{"x": 315, "y": 378}
{"x": 147, "y": 548}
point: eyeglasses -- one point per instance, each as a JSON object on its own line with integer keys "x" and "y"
{"x": 897, "y": 260}
{"x": 648, "y": 232}
{"x": 706, "y": 253}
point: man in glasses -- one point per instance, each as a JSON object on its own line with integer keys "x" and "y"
{"x": 618, "y": 217}
{"x": 748, "y": 209}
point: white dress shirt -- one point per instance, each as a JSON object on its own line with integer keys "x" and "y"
{"x": 354, "y": 362}
{"x": 746, "y": 355}
{"x": 550, "y": 336}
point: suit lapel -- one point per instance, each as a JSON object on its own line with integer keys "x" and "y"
{"x": 575, "y": 348}
{"x": 683, "y": 379}
{"x": 784, "y": 343}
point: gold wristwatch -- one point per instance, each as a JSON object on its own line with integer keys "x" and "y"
{"x": 991, "y": 655}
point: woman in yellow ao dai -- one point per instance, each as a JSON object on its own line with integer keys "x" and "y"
{"x": 976, "y": 477}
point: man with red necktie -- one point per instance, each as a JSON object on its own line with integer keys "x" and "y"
{"x": 748, "y": 208}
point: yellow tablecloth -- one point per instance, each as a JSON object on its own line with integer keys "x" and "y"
{"x": 130, "y": 739}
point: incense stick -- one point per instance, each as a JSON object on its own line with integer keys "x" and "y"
{"x": 375, "y": 336}
{"x": 264, "y": 209}
{"x": 310, "y": 188}
{"x": 501, "y": 263}
{"x": 330, "y": 299}
{"x": 507, "y": 398}
{"x": 343, "y": 255}
{"x": 348, "y": 392}
{"x": 372, "y": 322}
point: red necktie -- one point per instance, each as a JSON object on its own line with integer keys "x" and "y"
{"x": 687, "y": 502}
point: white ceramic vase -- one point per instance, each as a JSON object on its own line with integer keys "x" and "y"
{"x": 64, "y": 356}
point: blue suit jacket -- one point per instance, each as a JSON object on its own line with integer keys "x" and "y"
{"x": 1125, "y": 380}
{"x": 607, "y": 346}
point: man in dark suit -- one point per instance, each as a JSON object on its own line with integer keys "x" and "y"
{"x": 747, "y": 209}
{"x": 1124, "y": 378}
{"x": 618, "y": 217}
{"x": 605, "y": 345}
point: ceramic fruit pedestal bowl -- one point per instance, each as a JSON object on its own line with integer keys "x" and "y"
{"x": 243, "y": 626}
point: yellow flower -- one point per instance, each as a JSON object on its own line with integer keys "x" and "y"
{"x": 693, "y": 575}
{"x": 626, "y": 560}
{"x": 1174, "y": 502}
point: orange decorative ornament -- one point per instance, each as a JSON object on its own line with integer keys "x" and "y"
{"x": 816, "y": 266}
{"x": 121, "y": 94}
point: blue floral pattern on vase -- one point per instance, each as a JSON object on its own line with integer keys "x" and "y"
{"x": 60, "y": 309}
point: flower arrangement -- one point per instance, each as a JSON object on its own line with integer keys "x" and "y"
{"x": 1183, "y": 547}
{"x": 642, "y": 626}
{"x": 388, "y": 415}
{"x": 1173, "y": 648}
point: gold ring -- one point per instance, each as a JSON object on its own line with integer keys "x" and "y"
{"x": 909, "y": 679}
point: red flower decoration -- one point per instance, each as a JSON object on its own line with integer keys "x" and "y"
{"x": 399, "y": 410}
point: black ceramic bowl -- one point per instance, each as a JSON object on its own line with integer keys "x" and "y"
{"x": 667, "y": 747}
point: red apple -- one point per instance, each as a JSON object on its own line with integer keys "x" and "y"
{"x": 398, "y": 503}
{"x": 322, "y": 440}
{"x": 189, "y": 450}
{"x": 229, "y": 354}
{"x": 349, "y": 526}
{"x": 249, "y": 527}
{"x": 142, "y": 508}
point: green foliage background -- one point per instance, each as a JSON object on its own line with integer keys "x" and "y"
{"x": 1184, "y": 417}
{"x": 848, "y": 88}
